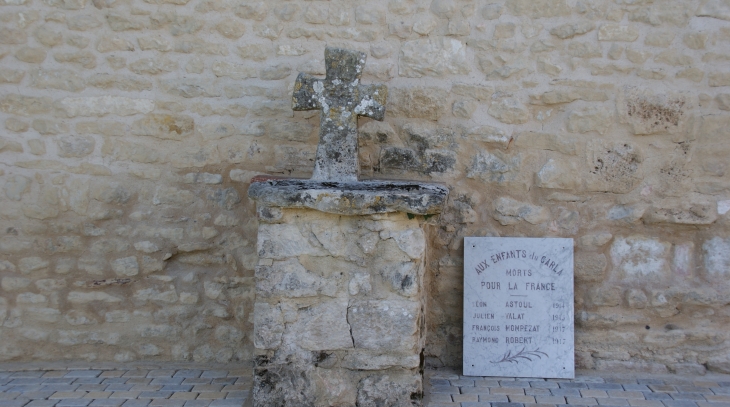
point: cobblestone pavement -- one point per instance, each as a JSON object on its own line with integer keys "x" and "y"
{"x": 449, "y": 389}
{"x": 125, "y": 388}
{"x": 174, "y": 386}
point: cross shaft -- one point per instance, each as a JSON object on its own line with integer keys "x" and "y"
{"x": 341, "y": 98}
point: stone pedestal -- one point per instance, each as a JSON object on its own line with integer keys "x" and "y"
{"x": 339, "y": 310}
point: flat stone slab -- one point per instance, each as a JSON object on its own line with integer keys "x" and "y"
{"x": 349, "y": 198}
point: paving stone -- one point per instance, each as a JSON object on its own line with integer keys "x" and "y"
{"x": 688, "y": 396}
{"x": 180, "y": 387}
{"x": 112, "y": 373}
{"x": 88, "y": 380}
{"x": 83, "y": 373}
{"x": 143, "y": 387}
{"x": 626, "y": 394}
{"x": 42, "y": 403}
{"x": 521, "y": 399}
{"x": 679, "y": 403}
{"x": 160, "y": 373}
{"x": 465, "y": 397}
{"x": 119, "y": 387}
{"x": 650, "y": 381}
{"x": 125, "y": 395}
{"x": 187, "y": 374}
{"x": 155, "y": 394}
{"x": 498, "y": 404}
{"x": 635, "y": 387}
{"x": 58, "y": 380}
{"x": 92, "y": 387}
{"x": 224, "y": 380}
{"x": 662, "y": 387}
{"x": 439, "y": 382}
{"x": 593, "y": 393}
{"x": 474, "y": 390}
{"x": 515, "y": 384}
{"x": 711, "y": 404}
{"x": 692, "y": 389}
{"x": 493, "y": 398}
{"x": 197, "y": 403}
{"x": 605, "y": 386}
{"x": 486, "y": 383}
{"x": 439, "y": 398}
{"x": 544, "y": 385}
{"x": 720, "y": 390}
{"x": 565, "y": 392}
{"x": 68, "y": 395}
{"x": 211, "y": 395}
{"x": 550, "y": 399}
{"x": 434, "y": 389}
{"x": 139, "y": 380}
{"x": 585, "y": 401}
{"x": 573, "y": 385}
{"x": 107, "y": 403}
{"x": 137, "y": 403}
{"x": 27, "y": 380}
{"x": 42, "y": 394}
{"x": 26, "y": 388}
{"x": 240, "y": 394}
{"x": 98, "y": 395}
{"x": 28, "y": 374}
{"x": 136, "y": 373}
{"x": 167, "y": 380}
{"x": 478, "y": 404}
{"x": 184, "y": 395}
{"x": 537, "y": 392}
{"x": 214, "y": 374}
{"x": 14, "y": 403}
{"x": 657, "y": 396}
{"x": 614, "y": 401}
{"x": 718, "y": 398}
{"x": 73, "y": 403}
{"x": 506, "y": 390}
{"x": 166, "y": 403}
{"x": 195, "y": 381}
{"x": 619, "y": 380}
{"x": 645, "y": 403}
{"x": 9, "y": 395}
{"x": 443, "y": 404}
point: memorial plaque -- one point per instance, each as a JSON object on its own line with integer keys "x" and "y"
{"x": 518, "y": 307}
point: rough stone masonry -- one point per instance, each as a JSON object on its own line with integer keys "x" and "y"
{"x": 131, "y": 129}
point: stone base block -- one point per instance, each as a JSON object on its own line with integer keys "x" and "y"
{"x": 338, "y": 316}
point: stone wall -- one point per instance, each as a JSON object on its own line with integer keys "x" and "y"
{"x": 131, "y": 129}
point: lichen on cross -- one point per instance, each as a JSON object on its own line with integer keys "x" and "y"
{"x": 341, "y": 98}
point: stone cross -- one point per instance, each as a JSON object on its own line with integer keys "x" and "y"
{"x": 341, "y": 98}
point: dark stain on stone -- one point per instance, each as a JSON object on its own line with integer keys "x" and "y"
{"x": 660, "y": 114}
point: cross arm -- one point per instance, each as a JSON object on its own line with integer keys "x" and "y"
{"x": 307, "y": 91}
{"x": 372, "y": 101}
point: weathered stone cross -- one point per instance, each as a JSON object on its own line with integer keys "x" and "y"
{"x": 341, "y": 98}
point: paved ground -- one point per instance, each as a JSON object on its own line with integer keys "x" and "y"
{"x": 176, "y": 386}
{"x": 447, "y": 388}
{"x": 126, "y": 388}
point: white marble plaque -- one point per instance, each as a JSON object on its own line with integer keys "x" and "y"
{"x": 518, "y": 307}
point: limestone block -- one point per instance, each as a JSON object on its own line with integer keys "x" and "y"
{"x": 27, "y": 265}
{"x": 291, "y": 280}
{"x": 716, "y": 9}
{"x": 75, "y": 146}
{"x": 509, "y": 211}
{"x": 268, "y": 326}
{"x": 370, "y": 360}
{"x": 590, "y": 119}
{"x": 84, "y": 59}
{"x": 389, "y": 389}
{"x": 432, "y": 57}
{"x": 62, "y": 79}
{"x": 538, "y": 8}
{"x": 125, "y": 266}
{"x": 404, "y": 278}
{"x": 590, "y": 266}
{"x": 31, "y": 55}
{"x": 79, "y": 297}
{"x": 15, "y": 186}
{"x": 391, "y": 325}
{"x": 570, "y": 30}
{"x": 650, "y": 113}
{"x": 716, "y": 79}
{"x": 689, "y": 211}
{"x": 279, "y": 241}
{"x": 546, "y": 141}
{"x": 613, "y": 167}
{"x": 616, "y": 32}
{"x": 717, "y": 256}
{"x": 153, "y": 66}
{"x": 14, "y": 283}
{"x": 104, "y": 105}
{"x": 558, "y": 174}
{"x": 153, "y": 294}
{"x": 323, "y": 326}
{"x": 510, "y": 111}
{"x": 640, "y": 256}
